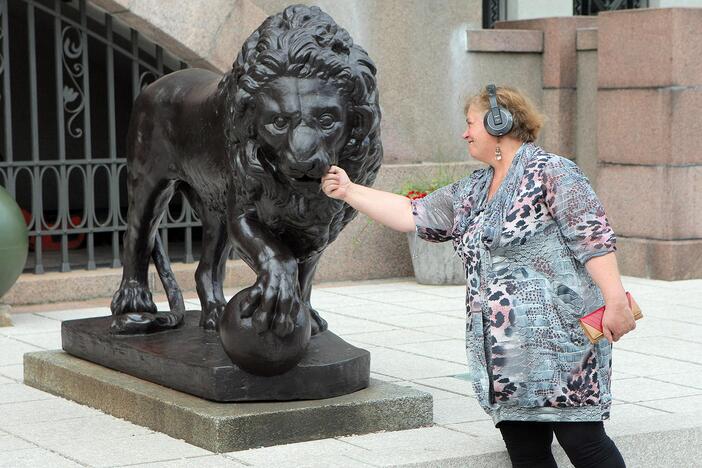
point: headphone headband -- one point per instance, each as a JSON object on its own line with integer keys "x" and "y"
{"x": 494, "y": 108}
{"x": 498, "y": 121}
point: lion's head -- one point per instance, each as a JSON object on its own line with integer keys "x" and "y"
{"x": 299, "y": 98}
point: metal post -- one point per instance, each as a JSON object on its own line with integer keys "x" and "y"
{"x": 37, "y": 202}
{"x": 112, "y": 143}
{"x": 6, "y": 94}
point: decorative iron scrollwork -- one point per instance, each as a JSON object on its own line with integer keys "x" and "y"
{"x": 73, "y": 94}
{"x": 592, "y": 7}
{"x": 146, "y": 78}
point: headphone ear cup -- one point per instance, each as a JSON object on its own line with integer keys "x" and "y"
{"x": 502, "y": 129}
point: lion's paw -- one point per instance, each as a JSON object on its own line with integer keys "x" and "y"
{"x": 211, "y": 315}
{"x": 318, "y": 323}
{"x": 132, "y": 297}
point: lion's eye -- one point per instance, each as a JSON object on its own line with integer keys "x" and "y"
{"x": 327, "y": 121}
{"x": 280, "y": 122}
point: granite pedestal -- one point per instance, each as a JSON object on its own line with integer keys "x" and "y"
{"x": 226, "y": 427}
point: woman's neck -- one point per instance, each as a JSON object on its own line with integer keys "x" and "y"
{"x": 509, "y": 148}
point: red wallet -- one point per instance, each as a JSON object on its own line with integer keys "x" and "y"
{"x": 592, "y": 322}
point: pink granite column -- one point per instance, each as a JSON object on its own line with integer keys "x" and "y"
{"x": 649, "y": 106}
{"x": 559, "y": 77}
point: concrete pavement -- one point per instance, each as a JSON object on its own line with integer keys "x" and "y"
{"x": 415, "y": 336}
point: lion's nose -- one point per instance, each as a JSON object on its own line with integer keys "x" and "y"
{"x": 306, "y": 157}
{"x": 303, "y": 142}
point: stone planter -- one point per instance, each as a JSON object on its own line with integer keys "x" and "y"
{"x": 435, "y": 263}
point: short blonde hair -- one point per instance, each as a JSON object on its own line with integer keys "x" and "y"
{"x": 527, "y": 119}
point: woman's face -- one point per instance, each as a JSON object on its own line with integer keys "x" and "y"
{"x": 481, "y": 145}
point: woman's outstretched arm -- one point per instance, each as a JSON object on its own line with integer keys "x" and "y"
{"x": 394, "y": 211}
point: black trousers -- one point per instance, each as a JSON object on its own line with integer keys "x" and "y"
{"x": 585, "y": 443}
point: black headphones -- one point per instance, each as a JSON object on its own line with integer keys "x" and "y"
{"x": 498, "y": 121}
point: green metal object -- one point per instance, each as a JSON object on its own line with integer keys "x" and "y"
{"x": 13, "y": 241}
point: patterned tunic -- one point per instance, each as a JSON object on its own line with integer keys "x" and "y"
{"x": 524, "y": 253}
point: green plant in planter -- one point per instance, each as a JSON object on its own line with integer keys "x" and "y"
{"x": 424, "y": 185}
{"x": 434, "y": 264}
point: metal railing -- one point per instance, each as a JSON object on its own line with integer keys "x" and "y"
{"x": 69, "y": 74}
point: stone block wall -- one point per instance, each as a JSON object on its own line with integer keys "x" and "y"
{"x": 649, "y": 102}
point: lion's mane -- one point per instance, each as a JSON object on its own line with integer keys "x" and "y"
{"x": 301, "y": 42}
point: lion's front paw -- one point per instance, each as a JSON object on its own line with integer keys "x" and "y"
{"x": 132, "y": 297}
{"x": 211, "y": 315}
{"x": 273, "y": 301}
{"x": 318, "y": 323}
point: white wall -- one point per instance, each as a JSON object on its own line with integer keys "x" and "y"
{"x": 674, "y": 3}
{"x": 527, "y": 9}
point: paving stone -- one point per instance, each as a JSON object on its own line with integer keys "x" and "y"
{"x": 399, "y": 297}
{"x": 457, "y": 410}
{"x": 87, "y": 429}
{"x": 423, "y": 320}
{"x": 210, "y": 461}
{"x": 361, "y": 289}
{"x": 688, "y": 380}
{"x": 394, "y": 363}
{"x": 332, "y": 301}
{"x": 6, "y": 380}
{"x": 9, "y": 442}
{"x": 642, "y": 389}
{"x": 15, "y": 393}
{"x": 660, "y": 327}
{"x": 73, "y": 314}
{"x": 434, "y": 438}
{"x": 384, "y": 378}
{"x": 645, "y": 365}
{"x": 342, "y": 324}
{"x": 630, "y": 411}
{"x": 315, "y": 453}
{"x": 436, "y": 393}
{"x": 30, "y": 323}
{"x": 674, "y": 349}
{"x": 138, "y": 449}
{"x": 677, "y": 405}
{"x": 49, "y": 340}
{"x": 451, "y": 384}
{"x": 33, "y": 412}
{"x": 483, "y": 428}
{"x": 373, "y": 310}
{"x": 14, "y": 372}
{"x": 439, "y": 304}
{"x": 12, "y": 351}
{"x": 392, "y": 338}
{"x": 446, "y": 350}
{"x": 33, "y": 458}
{"x": 457, "y": 333}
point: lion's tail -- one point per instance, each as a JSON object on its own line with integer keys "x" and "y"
{"x": 170, "y": 285}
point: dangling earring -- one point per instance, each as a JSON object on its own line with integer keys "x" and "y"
{"x": 498, "y": 153}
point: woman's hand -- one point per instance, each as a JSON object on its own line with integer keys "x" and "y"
{"x": 336, "y": 183}
{"x": 618, "y": 318}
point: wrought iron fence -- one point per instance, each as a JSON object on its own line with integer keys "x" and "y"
{"x": 496, "y": 10}
{"x": 69, "y": 74}
{"x": 592, "y": 7}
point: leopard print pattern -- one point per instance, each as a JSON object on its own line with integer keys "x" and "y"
{"x": 526, "y": 286}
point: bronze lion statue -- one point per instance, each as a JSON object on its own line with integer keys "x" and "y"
{"x": 248, "y": 151}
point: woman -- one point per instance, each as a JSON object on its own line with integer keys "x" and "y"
{"x": 538, "y": 253}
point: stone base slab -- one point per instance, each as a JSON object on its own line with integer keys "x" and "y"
{"x": 663, "y": 260}
{"x": 192, "y": 360}
{"x": 226, "y": 427}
